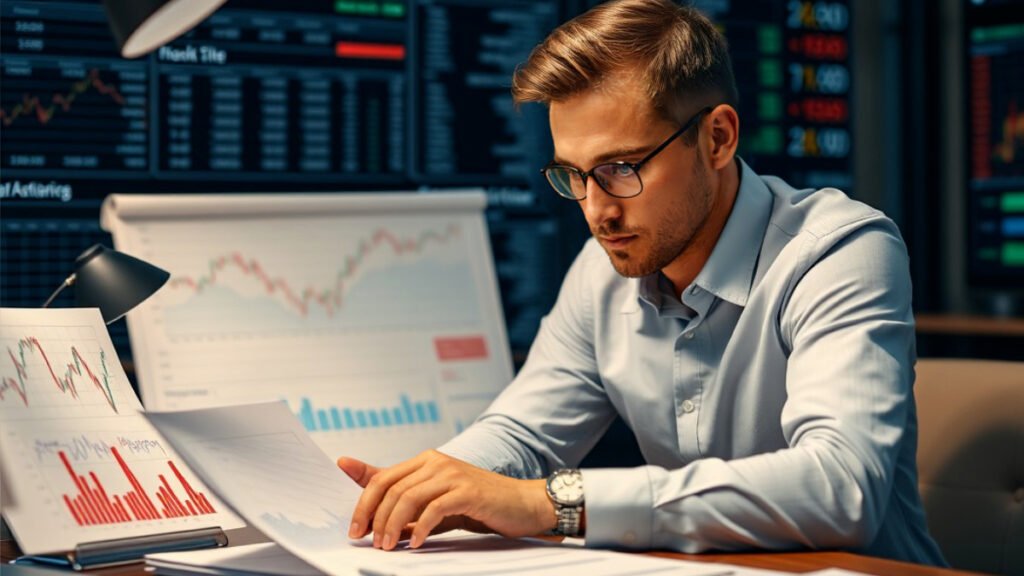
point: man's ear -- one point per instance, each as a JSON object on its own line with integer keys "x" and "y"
{"x": 725, "y": 135}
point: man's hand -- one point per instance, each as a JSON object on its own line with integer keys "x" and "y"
{"x": 434, "y": 493}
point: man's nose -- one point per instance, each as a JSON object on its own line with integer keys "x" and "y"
{"x": 600, "y": 206}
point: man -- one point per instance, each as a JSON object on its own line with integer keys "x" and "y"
{"x": 757, "y": 339}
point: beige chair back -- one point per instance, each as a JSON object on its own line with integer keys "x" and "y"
{"x": 970, "y": 460}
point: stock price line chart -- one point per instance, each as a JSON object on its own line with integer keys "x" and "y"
{"x": 376, "y": 318}
{"x": 366, "y": 268}
{"x": 75, "y": 369}
{"x": 87, "y": 116}
{"x": 80, "y": 463}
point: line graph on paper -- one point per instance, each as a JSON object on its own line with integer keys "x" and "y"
{"x": 324, "y": 279}
{"x": 55, "y": 366}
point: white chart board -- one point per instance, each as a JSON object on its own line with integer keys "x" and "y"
{"x": 79, "y": 463}
{"x": 375, "y": 317}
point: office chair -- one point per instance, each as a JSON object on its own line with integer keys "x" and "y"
{"x": 970, "y": 460}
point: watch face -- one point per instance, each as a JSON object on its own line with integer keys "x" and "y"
{"x": 567, "y": 488}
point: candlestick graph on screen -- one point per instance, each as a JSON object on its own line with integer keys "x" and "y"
{"x": 93, "y": 504}
{"x": 65, "y": 379}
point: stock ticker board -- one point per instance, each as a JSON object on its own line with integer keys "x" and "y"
{"x": 792, "y": 65}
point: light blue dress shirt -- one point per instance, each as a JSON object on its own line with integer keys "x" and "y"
{"x": 772, "y": 404}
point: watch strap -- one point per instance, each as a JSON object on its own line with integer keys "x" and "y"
{"x": 569, "y": 518}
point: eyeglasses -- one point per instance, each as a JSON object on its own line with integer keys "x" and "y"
{"x": 619, "y": 179}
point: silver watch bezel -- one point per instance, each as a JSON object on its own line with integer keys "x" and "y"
{"x": 557, "y": 498}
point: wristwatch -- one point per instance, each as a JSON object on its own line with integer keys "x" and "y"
{"x": 565, "y": 489}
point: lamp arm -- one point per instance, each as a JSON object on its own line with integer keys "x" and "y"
{"x": 67, "y": 282}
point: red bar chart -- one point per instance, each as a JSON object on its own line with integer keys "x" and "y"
{"x": 94, "y": 505}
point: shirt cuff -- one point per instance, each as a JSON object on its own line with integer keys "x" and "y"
{"x": 619, "y": 507}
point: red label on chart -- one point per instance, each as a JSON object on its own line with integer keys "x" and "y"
{"x": 461, "y": 348}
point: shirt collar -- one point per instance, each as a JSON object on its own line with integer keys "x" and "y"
{"x": 729, "y": 271}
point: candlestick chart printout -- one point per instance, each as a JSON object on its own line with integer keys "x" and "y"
{"x": 376, "y": 318}
{"x": 79, "y": 462}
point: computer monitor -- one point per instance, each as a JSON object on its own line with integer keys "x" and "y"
{"x": 994, "y": 144}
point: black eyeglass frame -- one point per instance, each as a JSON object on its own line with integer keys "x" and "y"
{"x": 634, "y": 166}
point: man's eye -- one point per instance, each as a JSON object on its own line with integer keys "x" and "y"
{"x": 622, "y": 170}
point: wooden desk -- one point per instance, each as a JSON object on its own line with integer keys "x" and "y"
{"x": 795, "y": 562}
{"x": 965, "y": 325}
{"x": 798, "y": 562}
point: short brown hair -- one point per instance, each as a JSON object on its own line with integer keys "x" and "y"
{"x": 675, "y": 50}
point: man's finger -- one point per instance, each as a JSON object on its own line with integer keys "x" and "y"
{"x": 405, "y": 511}
{"x": 392, "y": 497}
{"x": 357, "y": 470}
{"x": 374, "y": 490}
{"x": 434, "y": 516}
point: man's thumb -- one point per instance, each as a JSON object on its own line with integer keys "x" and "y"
{"x": 357, "y": 470}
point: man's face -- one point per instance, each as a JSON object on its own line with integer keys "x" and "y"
{"x": 645, "y": 233}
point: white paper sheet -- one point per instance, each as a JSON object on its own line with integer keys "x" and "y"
{"x": 264, "y": 464}
{"x": 474, "y": 555}
{"x": 460, "y": 555}
{"x": 254, "y": 559}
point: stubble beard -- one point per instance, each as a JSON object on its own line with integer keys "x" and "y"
{"x": 676, "y": 229}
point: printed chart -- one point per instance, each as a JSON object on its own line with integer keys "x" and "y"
{"x": 80, "y": 463}
{"x": 70, "y": 370}
{"x": 375, "y": 318}
{"x": 253, "y": 293}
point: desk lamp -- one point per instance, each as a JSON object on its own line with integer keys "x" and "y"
{"x": 112, "y": 281}
{"x": 141, "y": 26}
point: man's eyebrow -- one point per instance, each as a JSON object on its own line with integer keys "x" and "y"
{"x": 608, "y": 156}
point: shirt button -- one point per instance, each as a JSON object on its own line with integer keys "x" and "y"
{"x": 688, "y": 406}
{"x": 688, "y": 335}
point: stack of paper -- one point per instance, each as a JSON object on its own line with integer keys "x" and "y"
{"x": 265, "y": 466}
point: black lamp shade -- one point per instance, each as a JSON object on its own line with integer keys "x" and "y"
{"x": 141, "y": 26}
{"x": 114, "y": 282}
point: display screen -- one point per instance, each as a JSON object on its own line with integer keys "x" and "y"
{"x": 994, "y": 150}
{"x": 792, "y": 65}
